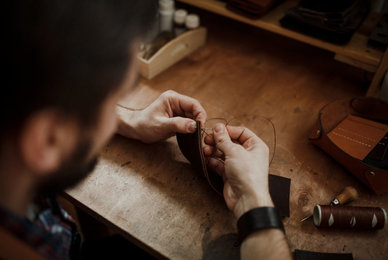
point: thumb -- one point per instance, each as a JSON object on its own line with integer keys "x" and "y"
{"x": 222, "y": 139}
{"x": 181, "y": 125}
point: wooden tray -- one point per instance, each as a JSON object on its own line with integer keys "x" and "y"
{"x": 172, "y": 52}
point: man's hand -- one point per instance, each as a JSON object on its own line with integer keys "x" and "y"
{"x": 169, "y": 114}
{"x": 241, "y": 158}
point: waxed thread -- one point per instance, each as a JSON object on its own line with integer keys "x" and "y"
{"x": 351, "y": 217}
{"x": 129, "y": 108}
{"x": 203, "y": 130}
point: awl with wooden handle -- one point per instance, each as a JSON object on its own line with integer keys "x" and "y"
{"x": 348, "y": 195}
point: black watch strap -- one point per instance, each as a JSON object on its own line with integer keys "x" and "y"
{"x": 258, "y": 219}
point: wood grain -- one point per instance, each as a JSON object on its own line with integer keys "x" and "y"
{"x": 378, "y": 76}
{"x": 151, "y": 194}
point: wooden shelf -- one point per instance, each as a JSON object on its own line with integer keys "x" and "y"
{"x": 356, "y": 53}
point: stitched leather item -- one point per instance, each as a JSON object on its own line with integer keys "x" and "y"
{"x": 191, "y": 147}
{"x": 250, "y": 8}
{"x": 357, "y": 136}
{"x": 349, "y": 132}
{"x": 371, "y": 108}
{"x": 329, "y": 20}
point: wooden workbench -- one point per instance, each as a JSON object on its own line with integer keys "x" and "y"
{"x": 152, "y": 196}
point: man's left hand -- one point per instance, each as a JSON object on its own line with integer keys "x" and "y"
{"x": 169, "y": 114}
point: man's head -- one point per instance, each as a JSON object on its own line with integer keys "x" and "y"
{"x": 67, "y": 62}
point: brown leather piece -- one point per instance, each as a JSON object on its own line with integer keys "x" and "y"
{"x": 279, "y": 188}
{"x": 330, "y": 117}
{"x": 309, "y": 255}
{"x": 191, "y": 147}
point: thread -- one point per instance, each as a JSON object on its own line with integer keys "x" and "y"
{"x": 349, "y": 217}
{"x": 212, "y": 122}
{"x": 129, "y": 108}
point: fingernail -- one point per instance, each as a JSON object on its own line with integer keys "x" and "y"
{"x": 219, "y": 128}
{"x": 192, "y": 127}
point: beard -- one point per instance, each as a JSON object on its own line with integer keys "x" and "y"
{"x": 71, "y": 173}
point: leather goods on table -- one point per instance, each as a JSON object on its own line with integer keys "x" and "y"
{"x": 329, "y": 20}
{"x": 355, "y": 133}
{"x": 250, "y": 8}
{"x": 191, "y": 147}
{"x": 308, "y": 255}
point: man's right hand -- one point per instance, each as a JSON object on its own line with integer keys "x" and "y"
{"x": 241, "y": 158}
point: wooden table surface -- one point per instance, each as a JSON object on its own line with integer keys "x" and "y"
{"x": 150, "y": 193}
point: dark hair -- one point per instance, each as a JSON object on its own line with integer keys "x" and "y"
{"x": 66, "y": 54}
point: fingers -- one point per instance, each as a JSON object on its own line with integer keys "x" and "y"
{"x": 209, "y": 139}
{"x": 236, "y": 133}
{"x": 181, "y": 125}
{"x": 217, "y": 165}
{"x": 213, "y": 152}
{"x": 240, "y": 134}
{"x": 222, "y": 140}
{"x": 209, "y": 150}
{"x": 182, "y": 105}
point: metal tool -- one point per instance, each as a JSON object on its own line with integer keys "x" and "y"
{"x": 347, "y": 195}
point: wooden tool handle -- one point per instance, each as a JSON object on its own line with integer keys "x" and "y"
{"x": 349, "y": 194}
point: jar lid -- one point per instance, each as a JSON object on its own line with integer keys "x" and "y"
{"x": 192, "y": 21}
{"x": 166, "y": 5}
{"x": 180, "y": 16}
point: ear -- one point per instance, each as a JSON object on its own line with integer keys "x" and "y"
{"x": 46, "y": 140}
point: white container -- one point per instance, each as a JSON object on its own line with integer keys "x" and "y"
{"x": 166, "y": 15}
{"x": 172, "y": 52}
{"x": 192, "y": 21}
{"x": 179, "y": 22}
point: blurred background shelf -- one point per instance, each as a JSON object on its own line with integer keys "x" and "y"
{"x": 356, "y": 52}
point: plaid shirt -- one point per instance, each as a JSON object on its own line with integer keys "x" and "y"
{"x": 52, "y": 232}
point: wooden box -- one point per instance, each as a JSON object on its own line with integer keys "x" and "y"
{"x": 172, "y": 52}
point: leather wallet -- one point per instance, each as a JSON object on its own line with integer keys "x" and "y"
{"x": 191, "y": 147}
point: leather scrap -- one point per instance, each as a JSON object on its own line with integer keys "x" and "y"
{"x": 309, "y": 255}
{"x": 191, "y": 147}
